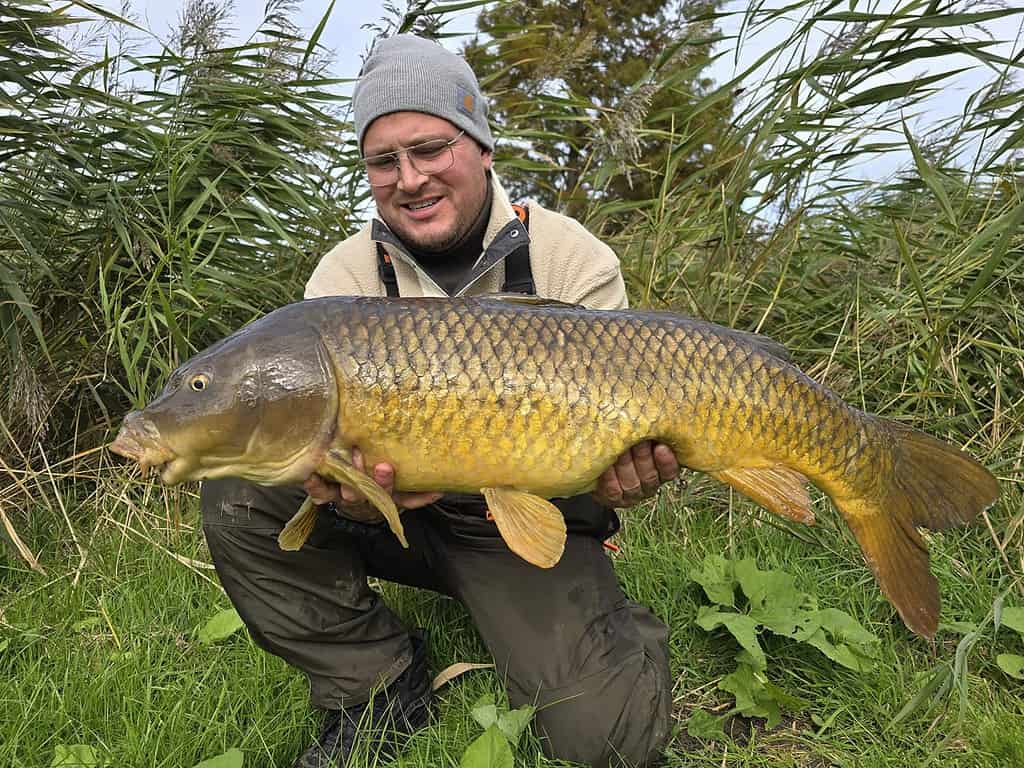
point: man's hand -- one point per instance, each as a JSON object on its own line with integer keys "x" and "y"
{"x": 352, "y": 504}
{"x": 636, "y": 475}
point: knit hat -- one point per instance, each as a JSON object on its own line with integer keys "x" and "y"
{"x": 407, "y": 73}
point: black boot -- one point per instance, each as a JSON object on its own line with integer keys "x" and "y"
{"x": 380, "y": 726}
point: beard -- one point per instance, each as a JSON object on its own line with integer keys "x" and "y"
{"x": 436, "y": 242}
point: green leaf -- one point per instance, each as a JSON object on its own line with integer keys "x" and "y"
{"x": 959, "y": 627}
{"x": 75, "y": 756}
{"x": 485, "y": 711}
{"x": 490, "y": 750}
{"x": 841, "y": 653}
{"x": 938, "y": 684}
{"x": 220, "y": 627}
{"x": 1011, "y": 664}
{"x": 740, "y": 626}
{"x": 1013, "y": 618}
{"x": 1007, "y": 230}
{"x": 786, "y": 701}
{"x": 716, "y": 576}
{"x": 753, "y": 697}
{"x": 513, "y": 723}
{"x": 315, "y": 37}
{"x": 703, "y": 725}
{"x": 841, "y": 637}
{"x": 233, "y": 758}
{"x": 774, "y": 599}
{"x": 931, "y": 177}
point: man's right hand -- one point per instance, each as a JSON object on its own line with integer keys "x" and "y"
{"x": 352, "y": 504}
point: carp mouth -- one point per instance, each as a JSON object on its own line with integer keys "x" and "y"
{"x": 142, "y": 444}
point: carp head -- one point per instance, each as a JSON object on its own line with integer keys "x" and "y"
{"x": 261, "y": 404}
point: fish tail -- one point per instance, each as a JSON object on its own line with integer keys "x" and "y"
{"x": 932, "y": 485}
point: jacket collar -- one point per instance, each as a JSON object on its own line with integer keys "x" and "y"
{"x": 504, "y": 234}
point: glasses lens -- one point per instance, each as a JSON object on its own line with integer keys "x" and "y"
{"x": 432, "y": 157}
{"x": 428, "y": 158}
{"x": 381, "y": 170}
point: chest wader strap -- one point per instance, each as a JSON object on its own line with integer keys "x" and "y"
{"x": 386, "y": 270}
{"x": 518, "y": 272}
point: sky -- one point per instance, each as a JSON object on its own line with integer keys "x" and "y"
{"x": 346, "y": 37}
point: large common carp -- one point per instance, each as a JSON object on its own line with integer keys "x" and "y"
{"x": 524, "y": 400}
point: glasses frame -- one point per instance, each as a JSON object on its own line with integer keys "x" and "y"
{"x": 449, "y": 145}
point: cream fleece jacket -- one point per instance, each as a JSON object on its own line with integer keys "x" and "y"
{"x": 569, "y": 264}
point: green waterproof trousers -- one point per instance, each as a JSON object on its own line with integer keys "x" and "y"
{"x": 566, "y": 639}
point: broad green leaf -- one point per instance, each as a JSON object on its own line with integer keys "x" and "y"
{"x": 220, "y": 627}
{"x": 233, "y": 758}
{"x": 3, "y": 644}
{"x": 1011, "y": 664}
{"x": 513, "y": 723}
{"x": 744, "y": 686}
{"x": 1013, "y": 618}
{"x": 774, "y": 598}
{"x": 753, "y": 697}
{"x": 842, "y": 626}
{"x": 485, "y": 711}
{"x": 716, "y": 577}
{"x": 740, "y": 626}
{"x": 841, "y": 653}
{"x": 703, "y": 725}
{"x": 490, "y": 750}
{"x": 76, "y": 756}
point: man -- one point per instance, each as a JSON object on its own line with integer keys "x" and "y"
{"x": 566, "y": 639}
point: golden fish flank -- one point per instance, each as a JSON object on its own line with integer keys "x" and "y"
{"x": 524, "y": 400}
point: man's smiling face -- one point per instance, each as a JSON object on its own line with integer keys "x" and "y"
{"x": 429, "y": 213}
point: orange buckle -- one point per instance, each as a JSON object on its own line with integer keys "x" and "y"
{"x": 610, "y": 546}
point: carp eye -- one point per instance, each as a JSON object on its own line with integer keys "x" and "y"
{"x": 199, "y": 383}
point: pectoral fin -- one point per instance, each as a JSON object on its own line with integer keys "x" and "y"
{"x": 336, "y": 466}
{"x": 779, "y": 489}
{"x": 297, "y": 530}
{"x": 532, "y": 527}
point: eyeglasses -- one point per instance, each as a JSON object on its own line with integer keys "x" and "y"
{"x": 429, "y": 158}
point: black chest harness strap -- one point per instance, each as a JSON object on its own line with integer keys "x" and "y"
{"x": 518, "y": 273}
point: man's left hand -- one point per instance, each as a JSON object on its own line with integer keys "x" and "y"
{"x": 636, "y": 475}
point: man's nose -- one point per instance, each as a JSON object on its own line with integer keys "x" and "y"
{"x": 409, "y": 178}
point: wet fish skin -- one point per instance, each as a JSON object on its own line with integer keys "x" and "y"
{"x": 472, "y": 394}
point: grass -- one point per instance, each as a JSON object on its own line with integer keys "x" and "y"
{"x": 234, "y": 170}
{"x": 107, "y": 654}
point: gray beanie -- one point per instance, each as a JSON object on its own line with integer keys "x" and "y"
{"x": 407, "y": 73}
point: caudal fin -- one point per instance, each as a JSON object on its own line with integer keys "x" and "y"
{"x": 932, "y": 485}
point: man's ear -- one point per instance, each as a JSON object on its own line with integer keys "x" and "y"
{"x": 487, "y": 158}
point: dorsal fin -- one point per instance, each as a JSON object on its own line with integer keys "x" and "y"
{"x": 766, "y": 344}
{"x": 533, "y": 301}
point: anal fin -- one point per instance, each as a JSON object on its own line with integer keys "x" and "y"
{"x": 778, "y": 489}
{"x": 532, "y": 527}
